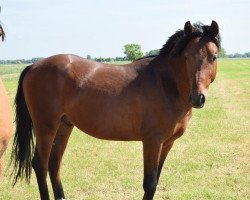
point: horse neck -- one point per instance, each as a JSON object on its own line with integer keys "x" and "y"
{"x": 174, "y": 76}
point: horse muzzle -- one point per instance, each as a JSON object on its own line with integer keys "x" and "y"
{"x": 197, "y": 100}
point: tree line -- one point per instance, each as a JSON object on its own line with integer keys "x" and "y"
{"x": 20, "y": 61}
{"x": 131, "y": 51}
{"x": 223, "y": 54}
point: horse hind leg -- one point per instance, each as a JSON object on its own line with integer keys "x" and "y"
{"x": 44, "y": 139}
{"x": 1, "y": 160}
{"x": 58, "y": 148}
{"x": 3, "y": 147}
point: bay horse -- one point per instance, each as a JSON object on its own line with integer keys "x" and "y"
{"x": 6, "y": 124}
{"x": 148, "y": 100}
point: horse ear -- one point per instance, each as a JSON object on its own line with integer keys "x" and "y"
{"x": 188, "y": 28}
{"x": 214, "y": 28}
{"x": 2, "y": 34}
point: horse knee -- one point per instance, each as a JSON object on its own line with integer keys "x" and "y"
{"x": 149, "y": 185}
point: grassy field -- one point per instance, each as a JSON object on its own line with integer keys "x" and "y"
{"x": 210, "y": 161}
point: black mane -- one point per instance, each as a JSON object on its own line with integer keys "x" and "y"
{"x": 149, "y": 56}
{"x": 179, "y": 40}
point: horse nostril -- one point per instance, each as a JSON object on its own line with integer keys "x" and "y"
{"x": 202, "y": 99}
{"x": 197, "y": 100}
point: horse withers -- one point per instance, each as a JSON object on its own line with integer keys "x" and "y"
{"x": 6, "y": 126}
{"x": 148, "y": 100}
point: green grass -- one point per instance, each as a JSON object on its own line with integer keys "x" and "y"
{"x": 210, "y": 161}
{"x": 11, "y": 68}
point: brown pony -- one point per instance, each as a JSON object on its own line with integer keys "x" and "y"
{"x": 149, "y": 100}
{"x": 6, "y": 126}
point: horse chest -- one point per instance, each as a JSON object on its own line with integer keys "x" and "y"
{"x": 181, "y": 125}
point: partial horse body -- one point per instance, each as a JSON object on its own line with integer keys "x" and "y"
{"x": 148, "y": 100}
{"x": 6, "y": 126}
{"x": 6, "y": 123}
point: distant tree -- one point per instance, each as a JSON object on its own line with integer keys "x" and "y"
{"x": 152, "y": 52}
{"x": 33, "y": 60}
{"x": 237, "y": 55}
{"x": 89, "y": 57}
{"x": 120, "y": 58}
{"x": 133, "y": 51}
{"x": 222, "y": 53}
{"x": 247, "y": 54}
{"x": 100, "y": 59}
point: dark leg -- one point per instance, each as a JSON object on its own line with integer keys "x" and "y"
{"x": 167, "y": 145}
{"x": 40, "y": 176}
{"x": 164, "y": 152}
{"x": 56, "y": 155}
{"x": 44, "y": 140}
{"x": 151, "y": 155}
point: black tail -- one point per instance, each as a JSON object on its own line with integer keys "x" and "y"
{"x": 23, "y": 146}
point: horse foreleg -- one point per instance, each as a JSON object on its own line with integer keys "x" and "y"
{"x": 151, "y": 156}
{"x": 56, "y": 155}
{"x": 164, "y": 152}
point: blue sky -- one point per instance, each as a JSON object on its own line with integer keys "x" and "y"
{"x": 101, "y": 27}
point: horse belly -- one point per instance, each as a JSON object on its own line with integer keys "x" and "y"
{"x": 105, "y": 118}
